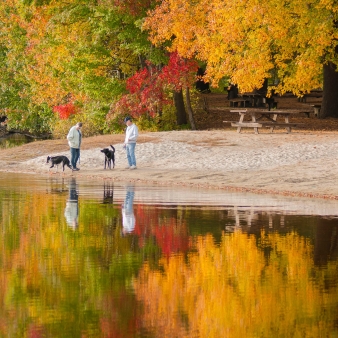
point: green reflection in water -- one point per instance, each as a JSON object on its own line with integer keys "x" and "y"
{"x": 72, "y": 267}
{"x": 14, "y": 140}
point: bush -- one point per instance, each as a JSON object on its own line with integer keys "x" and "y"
{"x": 36, "y": 120}
{"x": 93, "y": 117}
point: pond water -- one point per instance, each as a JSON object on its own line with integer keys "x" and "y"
{"x": 102, "y": 259}
{"x": 14, "y": 140}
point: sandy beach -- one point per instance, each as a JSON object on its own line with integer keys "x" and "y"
{"x": 302, "y": 163}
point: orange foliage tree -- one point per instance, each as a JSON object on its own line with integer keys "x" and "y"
{"x": 234, "y": 290}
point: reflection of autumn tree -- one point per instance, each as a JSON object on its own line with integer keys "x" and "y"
{"x": 52, "y": 277}
{"x": 169, "y": 230}
{"x": 233, "y": 290}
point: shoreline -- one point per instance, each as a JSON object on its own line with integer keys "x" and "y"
{"x": 300, "y": 164}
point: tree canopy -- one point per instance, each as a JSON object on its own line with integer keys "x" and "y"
{"x": 85, "y": 56}
{"x": 251, "y": 40}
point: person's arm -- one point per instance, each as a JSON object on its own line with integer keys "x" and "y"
{"x": 70, "y": 135}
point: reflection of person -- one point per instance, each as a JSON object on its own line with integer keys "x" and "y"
{"x": 130, "y": 142}
{"x": 74, "y": 140}
{"x": 128, "y": 217}
{"x": 72, "y": 206}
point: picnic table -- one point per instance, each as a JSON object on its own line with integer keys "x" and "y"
{"x": 259, "y": 100}
{"x": 314, "y": 93}
{"x": 239, "y": 101}
{"x": 316, "y": 108}
{"x": 262, "y": 118}
{"x": 254, "y": 97}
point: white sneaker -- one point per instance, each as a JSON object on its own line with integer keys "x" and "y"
{"x": 133, "y": 167}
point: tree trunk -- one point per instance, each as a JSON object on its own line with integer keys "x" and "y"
{"x": 189, "y": 109}
{"x": 325, "y": 241}
{"x": 330, "y": 92}
{"x": 181, "y": 115}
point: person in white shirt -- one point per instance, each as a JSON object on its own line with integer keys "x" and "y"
{"x": 74, "y": 138}
{"x": 130, "y": 142}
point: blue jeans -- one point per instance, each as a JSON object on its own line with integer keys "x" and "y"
{"x": 129, "y": 200}
{"x": 74, "y": 156}
{"x": 130, "y": 147}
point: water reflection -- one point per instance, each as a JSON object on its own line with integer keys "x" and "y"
{"x": 72, "y": 205}
{"x": 325, "y": 241}
{"x": 14, "y": 140}
{"x": 128, "y": 217}
{"x": 108, "y": 193}
{"x": 228, "y": 269}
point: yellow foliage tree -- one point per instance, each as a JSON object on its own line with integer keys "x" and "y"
{"x": 248, "y": 40}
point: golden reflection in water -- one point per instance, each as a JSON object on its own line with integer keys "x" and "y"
{"x": 235, "y": 290}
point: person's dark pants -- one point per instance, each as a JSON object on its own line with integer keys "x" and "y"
{"x": 74, "y": 156}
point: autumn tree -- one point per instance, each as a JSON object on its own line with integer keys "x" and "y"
{"x": 150, "y": 88}
{"x": 247, "y": 40}
{"x": 233, "y": 289}
{"x": 53, "y": 50}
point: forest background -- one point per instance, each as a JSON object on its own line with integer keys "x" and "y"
{"x": 100, "y": 60}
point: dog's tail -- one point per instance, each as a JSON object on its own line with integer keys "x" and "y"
{"x": 112, "y": 147}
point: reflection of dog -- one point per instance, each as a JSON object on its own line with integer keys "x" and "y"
{"x": 56, "y": 160}
{"x": 109, "y": 157}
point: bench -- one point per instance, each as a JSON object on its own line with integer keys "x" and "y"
{"x": 262, "y": 124}
{"x": 239, "y": 102}
{"x": 257, "y": 122}
{"x": 256, "y": 125}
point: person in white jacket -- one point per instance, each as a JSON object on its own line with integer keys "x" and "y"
{"x": 130, "y": 142}
{"x": 74, "y": 138}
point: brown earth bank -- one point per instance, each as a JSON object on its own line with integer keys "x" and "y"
{"x": 302, "y": 163}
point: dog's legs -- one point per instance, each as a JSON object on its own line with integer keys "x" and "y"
{"x": 52, "y": 166}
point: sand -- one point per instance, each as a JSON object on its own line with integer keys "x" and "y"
{"x": 302, "y": 163}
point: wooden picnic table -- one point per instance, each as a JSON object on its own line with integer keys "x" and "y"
{"x": 316, "y": 108}
{"x": 263, "y": 118}
{"x": 254, "y": 98}
{"x": 260, "y": 100}
{"x": 314, "y": 93}
{"x": 239, "y": 101}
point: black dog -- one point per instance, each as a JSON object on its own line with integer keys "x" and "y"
{"x": 56, "y": 160}
{"x": 109, "y": 157}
